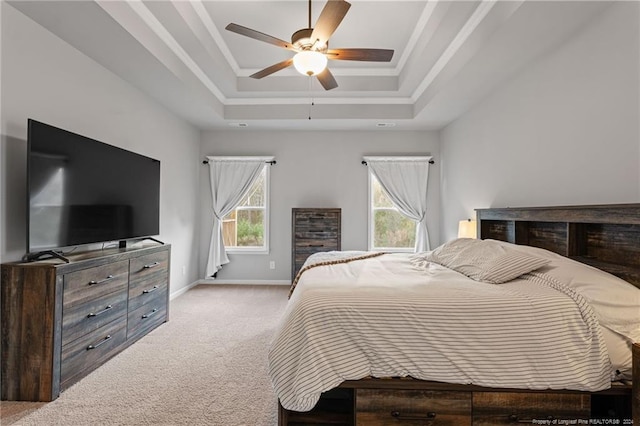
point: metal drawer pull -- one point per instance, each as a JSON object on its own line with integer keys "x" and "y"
{"x": 145, "y": 316}
{"x": 94, "y": 282}
{"x": 316, "y": 245}
{"x": 155, "y": 287}
{"x": 514, "y": 418}
{"x": 101, "y": 342}
{"x": 150, "y": 265}
{"x": 95, "y": 314}
{"x": 430, "y": 417}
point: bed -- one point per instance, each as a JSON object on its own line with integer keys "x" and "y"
{"x": 511, "y": 328}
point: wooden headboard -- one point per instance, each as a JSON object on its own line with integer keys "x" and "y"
{"x": 604, "y": 236}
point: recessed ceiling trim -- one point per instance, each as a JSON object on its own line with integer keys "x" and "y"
{"x": 363, "y": 72}
{"x": 469, "y": 27}
{"x": 320, "y": 101}
{"x": 387, "y": 113}
{"x": 152, "y": 22}
{"x": 425, "y": 16}
{"x": 204, "y": 16}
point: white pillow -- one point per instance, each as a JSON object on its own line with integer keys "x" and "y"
{"x": 615, "y": 301}
{"x": 485, "y": 260}
{"x": 507, "y": 267}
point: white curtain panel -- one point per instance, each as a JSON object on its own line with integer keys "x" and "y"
{"x": 404, "y": 180}
{"x": 231, "y": 180}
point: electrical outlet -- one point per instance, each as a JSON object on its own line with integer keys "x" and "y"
{"x": 272, "y": 264}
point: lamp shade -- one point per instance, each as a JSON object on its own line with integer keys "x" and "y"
{"x": 467, "y": 229}
{"x": 309, "y": 62}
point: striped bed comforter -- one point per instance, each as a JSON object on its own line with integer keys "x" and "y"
{"x": 382, "y": 317}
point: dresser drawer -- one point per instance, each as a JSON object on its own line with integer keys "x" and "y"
{"x": 81, "y": 319}
{"x": 319, "y": 233}
{"x": 146, "y": 317}
{"x": 312, "y": 246}
{"x": 310, "y": 217}
{"x": 302, "y": 254}
{"x": 391, "y": 407}
{"x": 146, "y": 291}
{"x": 501, "y": 408}
{"x": 84, "y": 355}
{"x": 151, "y": 267}
{"x": 91, "y": 283}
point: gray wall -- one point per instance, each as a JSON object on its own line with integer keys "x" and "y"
{"x": 46, "y": 79}
{"x": 564, "y": 131}
{"x": 314, "y": 169}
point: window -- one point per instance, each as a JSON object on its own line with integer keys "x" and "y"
{"x": 245, "y": 229}
{"x": 389, "y": 229}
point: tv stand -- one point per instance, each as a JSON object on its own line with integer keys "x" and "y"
{"x": 44, "y": 255}
{"x": 61, "y": 321}
{"x": 123, "y": 243}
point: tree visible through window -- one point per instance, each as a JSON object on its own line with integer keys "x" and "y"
{"x": 389, "y": 229}
{"x": 245, "y": 227}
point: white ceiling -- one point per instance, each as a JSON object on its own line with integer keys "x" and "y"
{"x": 448, "y": 56}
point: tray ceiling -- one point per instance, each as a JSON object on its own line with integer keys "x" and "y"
{"x": 448, "y": 56}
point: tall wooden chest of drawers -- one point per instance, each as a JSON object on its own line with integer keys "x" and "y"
{"x": 313, "y": 230}
{"x": 60, "y": 321}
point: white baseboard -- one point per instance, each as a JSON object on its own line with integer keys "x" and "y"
{"x": 183, "y": 290}
{"x": 245, "y": 282}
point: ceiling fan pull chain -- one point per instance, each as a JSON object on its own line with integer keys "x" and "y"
{"x": 310, "y": 92}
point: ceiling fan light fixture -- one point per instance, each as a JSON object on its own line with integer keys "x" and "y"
{"x": 312, "y": 46}
{"x": 309, "y": 62}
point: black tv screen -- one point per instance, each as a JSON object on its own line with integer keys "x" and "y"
{"x": 82, "y": 191}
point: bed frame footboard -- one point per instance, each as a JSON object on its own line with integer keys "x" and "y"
{"x": 383, "y": 401}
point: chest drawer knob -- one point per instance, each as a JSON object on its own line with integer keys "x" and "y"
{"x": 101, "y": 342}
{"x": 94, "y": 282}
{"x": 428, "y": 419}
{"x": 154, "y": 288}
{"x": 145, "y": 316}
{"x": 95, "y": 314}
{"x": 151, "y": 265}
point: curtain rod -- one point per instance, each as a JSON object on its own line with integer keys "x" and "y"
{"x": 272, "y": 162}
{"x": 430, "y": 162}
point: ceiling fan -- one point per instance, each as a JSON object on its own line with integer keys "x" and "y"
{"x": 312, "y": 46}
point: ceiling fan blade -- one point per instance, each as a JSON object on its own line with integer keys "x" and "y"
{"x": 376, "y": 55}
{"x": 327, "y": 80}
{"x": 273, "y": 68}
{"x": 239, "y": 29}
{"x": 329, "y": 19}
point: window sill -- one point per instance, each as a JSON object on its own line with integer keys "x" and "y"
{"x": 256, "y": 250}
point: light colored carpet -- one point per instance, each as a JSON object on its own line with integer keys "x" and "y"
{"x": 206, "y": 366}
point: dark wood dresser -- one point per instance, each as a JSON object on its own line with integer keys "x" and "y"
{"x": 60, "y": 321}
{"x": 313, "y": 230}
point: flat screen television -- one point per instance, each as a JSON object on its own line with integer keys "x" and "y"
{"x": 82, "y": 191}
